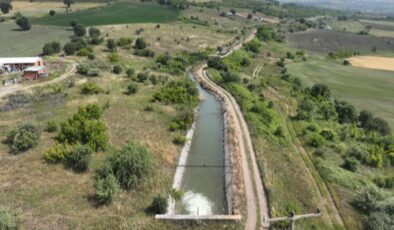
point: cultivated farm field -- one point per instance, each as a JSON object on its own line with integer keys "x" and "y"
{"x": 371, "y": 62}
{"x": 364, "y": 88}
{"x": 28, "y": 43}
{"x": 117, "y": 13}
{"x": 325, "y": 41}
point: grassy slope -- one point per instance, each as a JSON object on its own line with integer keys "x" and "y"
{"x": 28, "y": 43}
{"x": 325, "y": 41}
{"x": 117, "y": 13}
{"x": 364, "y": 88}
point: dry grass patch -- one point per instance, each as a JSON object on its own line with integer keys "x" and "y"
{"x": 372, "y": 62}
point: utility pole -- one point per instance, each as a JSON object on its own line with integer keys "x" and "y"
{"x": 292, "y": 218}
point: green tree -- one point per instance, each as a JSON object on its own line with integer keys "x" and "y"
{"x": 94, "y": 32}
{"x": 52, "y": 12}
{"x": 79, "y": 30}
{"x": 159, "y": 205}
{"x": 140, "y": 44}
{"x": 321, "y": 91}
{"x": 51, "y": 48}
{"x": 23, "y": 23}
{"x": 68, "y": 4}
{"x": 346, "y": 112}
{"x": 117, "y": 69}
{"x": 130, "y": 72}
{"x": 365, "y": 118}
{"x": 111, "y": 45}
{"x": 5, "y": 7}
{"x": 69, "y": 48}
{"x": 131, "y": 165}
{"x": 132, "y": 89}
{"x": 78, "y": 159}
{"x": 24, "y": 138}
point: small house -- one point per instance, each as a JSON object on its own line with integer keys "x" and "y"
{"x": 35, "y": 72}
{"x": 19, "y": 63}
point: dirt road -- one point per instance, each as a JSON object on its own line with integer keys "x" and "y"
{"x": 6, "y": 90}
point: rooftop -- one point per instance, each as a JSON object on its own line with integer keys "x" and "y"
{"x": 34, "y": 68}
{"x": 19, "y": 60}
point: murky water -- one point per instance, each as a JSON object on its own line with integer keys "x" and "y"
{"x": 203, "y": 180}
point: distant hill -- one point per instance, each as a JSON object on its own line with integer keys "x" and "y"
{"x": 377, "y": 6}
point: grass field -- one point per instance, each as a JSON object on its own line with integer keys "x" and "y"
{"x": 325, "y": 41}
{"x": 117, "y": 13}
{"x": 349, "y": 25}
{"x": 40, "y": 9}
{"x": 28, "y": 43}
{"x": 364, "y": 88}
{"x": 382, "y": 25}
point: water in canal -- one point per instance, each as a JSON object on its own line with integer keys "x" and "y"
{"x": 204, "y": 186}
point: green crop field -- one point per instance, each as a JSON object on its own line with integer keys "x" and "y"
{"x": 364, "y": 88}
{"x": 28, "y": 43}
{"x": 117, "y": 13}
{"x": 325, "y": 41}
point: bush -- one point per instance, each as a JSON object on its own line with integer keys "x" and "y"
{"x": 84, "y": 52}
{"x": 328, "y": 134}
{"x": 384, "y": 181}
{"x": 94, "y": 32}
{"x": 132, "y": 89}
{"x": 57, "y": 153}
{"x": 69, "y": 48}
{"x": 379, "y": 125}
{"x": 159, "y": 205}
{"x": 315, "y": 140}
{"x": 142, "y": 77}
{"x": 321, "y": 91}
{"x": 9, "y": 219}
{"x": 79, "y": 30}
{"x": 140, "y": 44}
{"x": 279, "y": 132}
{"x": 367, "y": 199}
{"x": 144, "y": 53}
{"x": 83, "y": 69}
{"x": 114, "y": 57}
{"x": 79, "y": 158}
{"x": 230, "y": 77}
{"x": 90, "y": 88}
{"x": 346, "y": 112}
{"x": 358, "y": 153}
{"x": 23, "y": 23}
{"x": 52, "y": 12}
{"x": 111, "y": 45}
{"x": 131, "y": 165}
{"x": 130, "y": 72}
{"x": 51, "y": 48}
{"x": 85, "y": 128}
{"x": 217, "y": 63}
{"x": 380, "y": 221}
{"x": 25, "y": 137}
{"x": 124, "y": 42}
{"x": 79, "y": 43}
{"x": 91, "y": 56}
{"x": 346, "y": 62}
{"x": 51, "y": 127}
{"x": 182, "y": 92}
{"x": 180, "y": 139}
{"x": 351, "y": 164}
{"x": 117, "y": 69}
{"x": 96, "y": 41}
{"x": 106, "y": 189}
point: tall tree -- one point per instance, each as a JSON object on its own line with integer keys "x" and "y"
{"x": 68, "y": 4}
{"x": 5, "y": 6}
{"x": 23, "y": 23}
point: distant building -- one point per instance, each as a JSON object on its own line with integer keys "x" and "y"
{"x": 35, "y": 72}
{"x": 19, "y": 64}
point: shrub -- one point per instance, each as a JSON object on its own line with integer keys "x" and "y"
{"x": 69, "y": 48}
{"x": 73, "y": 23}
{"x": 117, "y": 69}
{"x": 130, "y": 72}
{"x": 79, "y": 30}
{"x": 384, "y": 181}
{"x": 365, "y": 118}
{"x": 106, "y": 189}
{"x": 159, "y": 205}
{"x": 351, "y": 164}
{"x": 279, "y": 131}
{"x": 83, "y": 69}
{"x": 85, "y": 128}
{"x": 84, "y": 52}
{"x": 94, "y": 32}
{"x": 358, "y": 153}
{"x": 320, "y": 91}
{"x": 91, "y": 56}
{"x": 144, "y": 53}
{"x": 379, "y": 125}
{"x": 183, "y": 92}
{"x": 96, "y": 41}
{"x": 78, "y": 159}
{"x": 25, "y": 137}
{"x": 346, "y": 62}
{"x": 111, "y": 45}
{"x": 51, "y": 48}
{"x": 9, "y": 219}
{"x": 23, "y": 23}
{"x": 90, "y": 88}
{"x": 57, "y": 153}
{"x": 140, "y": 44}
{"x": 346, "y": 112}
{"x": 131, "y": 165}
{"x": 217, "y": 63}
{"x": 319, "y": 153}
{"x": 52, "y": 12}
{"x": 124, "y": 42}
{"x": 380, "y": 221}
{"x": 315, "y": 140}
{"x": 79, "y": 43}
{"x": 141, "y": 77}
{"x": 114, "y": 57}
{"x": 132, "y": 89}
{"x": 230, "y": 77}
{"x": 149, "y": 108}
{"x": 367, "y": 199}
{"x": 179, "y": 139}
{"x": 328, "y": 134}
{"x": 51, "y": 127}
